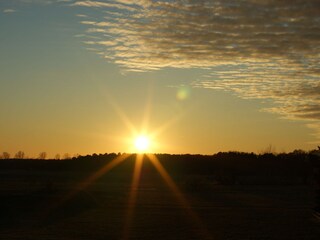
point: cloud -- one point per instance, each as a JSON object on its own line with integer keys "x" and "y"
{"x": 294, "y": 97}
{"x": 82, "y": 15}
{"x": 19, "y": 3}
{"x": 208, "y": 33}
{"x": 9, "y": 10}
{"x": 42, "y": 2}
{"x": 256, "y": 49}
{"x": 97, "y": 4}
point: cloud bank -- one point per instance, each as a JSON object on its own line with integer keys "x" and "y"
{"x": 258, "y": 49}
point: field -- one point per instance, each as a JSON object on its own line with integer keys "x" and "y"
{"x": 50, "y": 205}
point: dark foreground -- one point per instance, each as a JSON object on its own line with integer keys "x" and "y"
{"x": 33, "y": 206}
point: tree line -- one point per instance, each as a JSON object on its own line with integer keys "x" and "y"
{"x": 297, "y": 162}
{"x": 41, "y": 156}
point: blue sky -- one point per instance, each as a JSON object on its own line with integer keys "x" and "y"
{"x": 206, "y": 76}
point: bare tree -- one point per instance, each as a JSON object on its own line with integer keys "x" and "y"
{"x": 6, "y": 155}
{"x": 42, "y": 155}
{"x": 19, "y": 155}
{"x": 57, "y": 157}
{"x": 269, "y": 150}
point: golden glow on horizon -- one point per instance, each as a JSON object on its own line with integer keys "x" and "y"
{"x": 143, "y": 138}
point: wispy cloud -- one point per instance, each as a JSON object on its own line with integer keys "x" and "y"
{"x": 13, "y": 5}
{"x": 9, "y": 10}
{"x": 42, "y": 2}
{"x": 97, "y": 4}
{"x": 82, "y": 15}
{"x": 294, "y": 96}
{"x": 205, "y": 33}
{"x": 257, "y": 49}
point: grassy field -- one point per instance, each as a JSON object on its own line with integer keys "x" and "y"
{"x": 50, "y": 205}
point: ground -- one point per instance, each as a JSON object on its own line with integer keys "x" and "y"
{"x": 35, "y": 208}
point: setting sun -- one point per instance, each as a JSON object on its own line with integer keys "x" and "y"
{"x": 142, "y": 143}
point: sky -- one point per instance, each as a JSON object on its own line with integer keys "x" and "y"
{"x": 83, "y": 77}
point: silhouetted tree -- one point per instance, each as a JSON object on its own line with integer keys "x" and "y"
{"x": 269, "y": 149}
{"x": 19, "y": 155}
{"x": 6, "y": 155}
{"x": 66, "y": 156}
{"x": 42, "y": 155}
{"x": 57, "y": 156}
{"x": 298, "y": 152}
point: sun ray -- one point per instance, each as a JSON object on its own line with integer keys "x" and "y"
{"x": 132, "y": 196}
{"x": 85, "y": 183}
{"x": 102, "y": 171}
{"x": 148, "y": 107}
{"x": 144, "y": 126}
{"x": 205, "y": 234}
{"x": 165, "y": 125}
{"x": 123, "y": 117}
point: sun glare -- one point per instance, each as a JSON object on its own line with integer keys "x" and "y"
{"x": 142, "y": 143}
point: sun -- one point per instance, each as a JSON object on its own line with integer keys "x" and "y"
{"x": 142, "y": 143}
